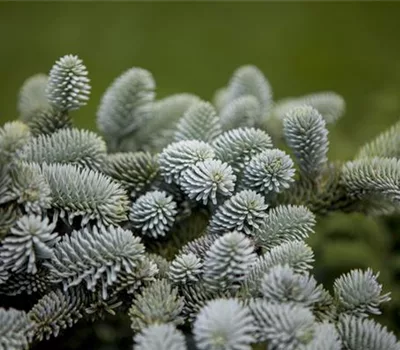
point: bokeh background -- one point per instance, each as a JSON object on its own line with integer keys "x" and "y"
{"x": 349, "y": 47}
{"x": 352, "y": 48}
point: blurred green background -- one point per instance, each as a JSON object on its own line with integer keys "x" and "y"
{"x": 302, "y": 47}
{"x": 352, "y": 48}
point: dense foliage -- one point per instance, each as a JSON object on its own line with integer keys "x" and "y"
{"x": 185, "y": 216}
